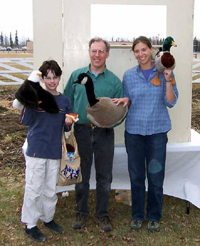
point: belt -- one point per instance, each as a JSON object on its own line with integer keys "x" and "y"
{"x": 88, "y": 125}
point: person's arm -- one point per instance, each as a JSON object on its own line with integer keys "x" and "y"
{"x": 119, "y": 95}
{"x": 169, "y": 89}
{"x": 118, "y": 88}
{"x": 171, "y": 92}
{"x": 68, "y": 120}
{"x": 27, "y": 116}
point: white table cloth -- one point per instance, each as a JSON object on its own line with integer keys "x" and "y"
{"x": 182, "y": 175}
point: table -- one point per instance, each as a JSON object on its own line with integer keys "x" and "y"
{"x": 182, "y": 175}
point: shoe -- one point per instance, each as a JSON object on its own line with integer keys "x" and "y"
{"x": 80, "y": 221}
{"x": 136, "y": 224}
{"x": 52, "y": 225}
{"x": 153, "y": 226}
{"x": 105, "y": 224}
{"x": 35, "y": 234}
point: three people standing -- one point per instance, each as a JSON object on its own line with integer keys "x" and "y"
{"x": 146, "y": 128}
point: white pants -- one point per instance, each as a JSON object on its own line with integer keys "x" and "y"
{"x": 40, "y": 190}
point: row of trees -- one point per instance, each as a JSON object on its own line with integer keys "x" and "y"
{"x": 196, "y": 45}
{"x": 154, "y": 40}
{"x": 6, "y": 41}
{"x": 159, "y": 41}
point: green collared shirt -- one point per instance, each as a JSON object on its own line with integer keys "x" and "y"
{"x": 106, "y": 84}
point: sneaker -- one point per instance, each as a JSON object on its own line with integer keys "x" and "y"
{"x": 35, "y": 234}
{"x": 136, "y": 224}
{"x": 104, "y": 224}
{"x": 80, "y": 221}
{"x": 52, "y": 225}
{"x": 153, "y": 226}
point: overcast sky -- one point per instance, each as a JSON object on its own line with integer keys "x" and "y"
{"x": 17, "y": 15}
{"x": 116, "y": 17}
{"x": 125, "y": 21}
{"x": 197, "y": 19}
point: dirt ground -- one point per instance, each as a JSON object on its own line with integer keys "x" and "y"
{"x": 196, "y": 107}
{"x": 12, "y": 134}
{"x": 179, "y": 228}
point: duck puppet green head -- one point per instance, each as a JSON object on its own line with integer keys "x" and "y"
{"x": 164, "y": 60}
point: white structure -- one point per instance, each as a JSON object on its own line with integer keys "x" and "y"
{"x": 62, "y": 32}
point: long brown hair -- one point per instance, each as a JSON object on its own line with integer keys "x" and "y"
{"x": 141, "y": 39}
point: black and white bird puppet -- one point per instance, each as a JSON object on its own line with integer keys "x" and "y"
{"x": 101, "y": 111}
{"x": 31, "y": 94}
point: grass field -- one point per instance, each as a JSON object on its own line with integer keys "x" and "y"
{"x": 197, "y": 76}
{"x": 177, "y": 227}
{"x": 14, "y": 54}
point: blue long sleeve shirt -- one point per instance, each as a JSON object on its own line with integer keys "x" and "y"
{"x": 148, "y": 113}
{"x": 45, "y": 130}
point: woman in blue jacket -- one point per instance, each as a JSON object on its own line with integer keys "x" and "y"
{"x": 146, "y": 128}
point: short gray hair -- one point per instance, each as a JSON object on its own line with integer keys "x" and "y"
{"x": 98, "y": 39}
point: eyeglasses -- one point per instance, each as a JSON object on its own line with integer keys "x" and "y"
{"x": 49, "y": 79}
{"x": 101, "y": 52}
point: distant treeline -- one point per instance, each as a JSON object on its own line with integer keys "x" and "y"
{"x": 6, "y": 41}
{"x": 196, "y": 45}
{"x": 159, "y": 41}
{"x": 154, "y": 40}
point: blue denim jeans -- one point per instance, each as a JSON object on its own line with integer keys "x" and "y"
{"x": 97, "y": 142}
{"x": 146, "y": 156}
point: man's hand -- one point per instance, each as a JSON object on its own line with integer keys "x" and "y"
{"x": 124, "y": 100}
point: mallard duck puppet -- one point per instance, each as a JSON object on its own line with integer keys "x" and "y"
{"x": 101, "y": 111}
{"x": 31, "y": 95}
{"x": 164, "y": 60}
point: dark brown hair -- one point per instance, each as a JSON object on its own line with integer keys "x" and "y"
{"x": 52, "y": 66}
{"x": 141, "y": 39}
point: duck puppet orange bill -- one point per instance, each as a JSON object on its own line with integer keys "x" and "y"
{"x": 73, "y": 116}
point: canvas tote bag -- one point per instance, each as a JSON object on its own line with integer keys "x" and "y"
{"x": 70, "y": 170}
